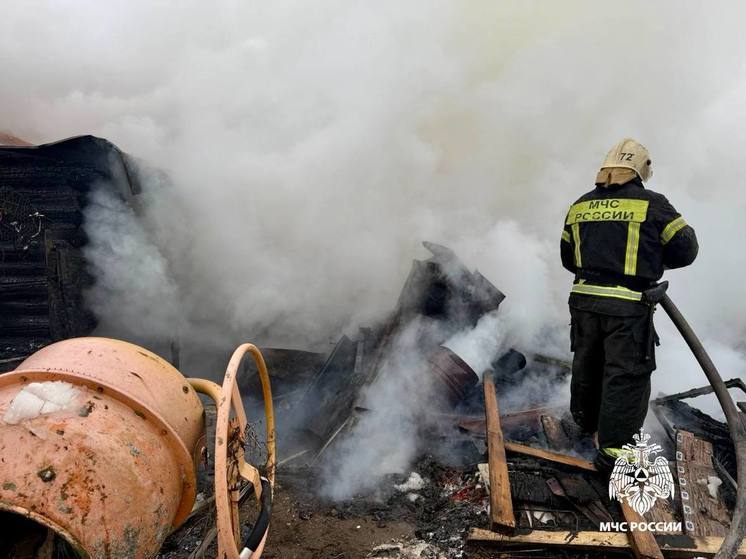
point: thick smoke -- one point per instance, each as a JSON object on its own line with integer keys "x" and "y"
{"x": 311, "y": 149}
{"x": 387, "y": 436}
{"x": 120, "y": 251}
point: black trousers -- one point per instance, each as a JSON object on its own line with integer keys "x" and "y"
{"x": 614, "y": 358}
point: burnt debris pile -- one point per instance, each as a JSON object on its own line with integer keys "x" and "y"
{"x": 440, "y": 299}
{"x": 498, "y": 471}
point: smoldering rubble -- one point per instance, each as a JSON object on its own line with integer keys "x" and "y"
{"x": 392, "y": 433}
{"x": 394, "y": 419}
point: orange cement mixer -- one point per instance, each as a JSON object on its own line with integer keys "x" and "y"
{"x": 99, "y": 444}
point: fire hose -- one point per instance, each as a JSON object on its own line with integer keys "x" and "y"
{"x": 734, "y": 419}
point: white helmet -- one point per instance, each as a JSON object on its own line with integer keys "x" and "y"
{"x": 630, "y": 154}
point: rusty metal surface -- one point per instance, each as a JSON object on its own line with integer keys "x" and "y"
{"x": 130, "y": 370}
{"x": 112, "y": 472}
{"x": 455, "y": 377}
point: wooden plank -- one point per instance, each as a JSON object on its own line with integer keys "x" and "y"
{"x": 704, "y": 515}
{"x": 586, "y": 540}
{"x": 701, "y": 546}
{"x": 550, "y": 456}
{"x": 501, "y": 503}
{"x": 663, "y": 511}
{"x": 671, "y": 546}
{"x": 643, "y": 544}
{"x": 556, "y": 436}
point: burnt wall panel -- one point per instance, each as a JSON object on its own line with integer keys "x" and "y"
{"x": 43, "y": 274}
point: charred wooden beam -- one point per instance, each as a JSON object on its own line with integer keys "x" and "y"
{"x": 704, "y": 514}
{"x": 12, "y": 324}
{"x": 18, "y": 285}
{"x": 30, "y": 305}
{"x": 11, "y": 252}
{"x": 550, "y": 456}
{"x": 21, "y": 268}
{"x": 693, "y": 393}
{"x": 555, "y": 434}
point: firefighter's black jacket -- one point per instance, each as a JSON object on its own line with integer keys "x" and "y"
{"x": 618, "y": 240}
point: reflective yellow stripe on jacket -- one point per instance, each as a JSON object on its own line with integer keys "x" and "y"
{"x": 617, "y": 292}
{"x": 633, "y": 245}
{"x": 672, "y": 228}
{"x": 576, "y": 240}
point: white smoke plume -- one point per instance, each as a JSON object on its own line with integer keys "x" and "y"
{"x": 387, "y": 437}
{"x": 480, "y": 346}
{"x": 131, "y": 274}
{"x": 312, "y": 147}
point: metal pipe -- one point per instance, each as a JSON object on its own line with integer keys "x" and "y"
{"x": 736, "y": 425}
{"x": 206, "y": 387}
{"x": 224, "y": 516}
{"x": 227, "y": 399}
{"x": 269, "y": 411}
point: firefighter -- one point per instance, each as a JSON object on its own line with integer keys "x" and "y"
{"x": 617, "y": 240}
